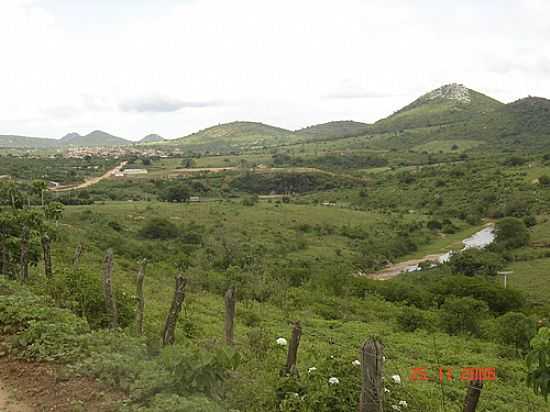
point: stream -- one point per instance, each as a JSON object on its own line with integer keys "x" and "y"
{"x": 478, "y": 240}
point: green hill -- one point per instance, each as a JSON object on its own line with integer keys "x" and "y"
{"x": 237, "y": 135}
{"x": 95, "y": 138}
{"x": 335, "y": 129}
{"x": 25, "y": 142}
{"x": 152, "y": 138}
{"x": 448, "y": 104}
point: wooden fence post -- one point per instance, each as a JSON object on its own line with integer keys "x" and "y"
{"x": 292, "y": 356}
{"x": 3, "y": 256}
{"x": 169, "y": 333}
{"x": 110, "y": 303}
{"x": 47, "y": 255}
{"x": 76, "y": 257}
{"x": 140, "y": 309}
{"x": 372, "y": 365}
{"x": 230, "y": 299}
{"x": 472, "y": 395}
{"x": 24, "y": 258}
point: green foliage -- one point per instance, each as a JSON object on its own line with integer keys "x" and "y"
{"x": 411, "y": 319}
{"x": 159, "y": 228}
{"x": 538, "y": 363}
{"x": 175, "y": 192}
{"x": 463, "y": 315}
{"x": 473, "y": 261}
{"x": 289, "y": 182}
{"x": 511, "y": 233}
{"x": 516, "y": 329}
{"x": 81, "y": 291}
{"x": 39, "y": 330}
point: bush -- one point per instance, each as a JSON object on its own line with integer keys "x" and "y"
{"x": 175, "y": 192}
{"x": 411, "y": 319}
{"x": 473, "y": 262}
{"x": 511, "y": 233}
{"x": 462, "y": 315}
{"x": 159, "y": 228}
{"x": 516, "y": 329}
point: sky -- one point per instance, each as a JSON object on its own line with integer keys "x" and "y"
{"x": 172, "y": 67}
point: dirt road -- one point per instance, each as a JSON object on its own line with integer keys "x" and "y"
{"x": 397, "y": 268}
{"x": 90, "y": 182}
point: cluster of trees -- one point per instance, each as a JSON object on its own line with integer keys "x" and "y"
{"x": 25, "y": 231}
{"x": 331, "y": 161}
{"x": 288, "y": 182}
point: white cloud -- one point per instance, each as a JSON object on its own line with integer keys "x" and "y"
{"x": 130, "y": 67}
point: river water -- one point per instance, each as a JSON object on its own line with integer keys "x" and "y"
{"x": 479, "y": 240}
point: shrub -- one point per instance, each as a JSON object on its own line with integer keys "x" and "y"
{"x": 511, "y": 233}
{"x": 462, "y": 315}
{"x": 530, "y": 220}
{"x": 175, "y": 192}
{"x": 159, "y": 228}
{"x": 516, "y": 329}
{"x": 473, "y": 262}
{"x": 411, "y": 319}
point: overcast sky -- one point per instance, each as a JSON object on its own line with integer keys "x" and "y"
{"x": 133, "y": 67}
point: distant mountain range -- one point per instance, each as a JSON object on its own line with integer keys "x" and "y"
{"x": 450, "y": 112}
{"x": 93, "y": 139}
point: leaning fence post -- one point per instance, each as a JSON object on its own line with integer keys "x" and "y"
{"x": 292, "y": 356}
{"x": 110, "y": 302}
{"x": 76, "y": 257}
{"x": 472, "y": 395}
{"x": 24, "y": 258}
{"x": 46, "y": 250}
{"x": 230, "y": 299}
{"x": 140, "y": 298}
{"x": 168, "y": 335}
{"x": 372, "y": 365}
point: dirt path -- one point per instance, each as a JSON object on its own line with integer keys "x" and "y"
{"x": 8, "y": 401}
{"x": 39, "y": 386}
{"x": 90, "y": 182}
{"x": 395, "y": 269}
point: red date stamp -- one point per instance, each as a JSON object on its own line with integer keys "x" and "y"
{"x": 465, "y": 374}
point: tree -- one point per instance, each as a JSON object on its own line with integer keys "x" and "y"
{"x": 54, "y": 210}
{"x": 175, "y": 192}
{"x": 473, "y": 262}
{"x": 38, "y": 188}
{"x": 514, "y": 328}
{"x": 463, "y": 315}
{"x": 511, "y": 233}
{"x": 538, "y": 363}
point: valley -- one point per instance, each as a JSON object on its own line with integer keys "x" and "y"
{"x": 289, "y": 222}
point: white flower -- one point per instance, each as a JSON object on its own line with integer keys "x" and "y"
{"x": 356, "y": 363}
{"x": 312, "y": 369}
{"x": 334, "y": 381}
{"x": 383, "y": 358}
{"x": 396, "y": 379}
{"x": 281, "y": 342}
{"x": 294, "y": 394}
{"x": 395, "y": 407}
{"x": 403, "y": 404}
{"x": 386, "y": 390}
